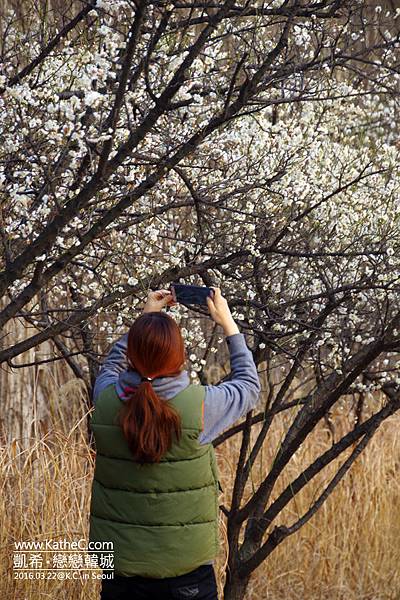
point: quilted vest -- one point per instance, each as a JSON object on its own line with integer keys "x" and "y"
{"x": 162, "y": 517}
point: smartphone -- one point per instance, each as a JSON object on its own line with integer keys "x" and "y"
{"x": 191, "y": 294}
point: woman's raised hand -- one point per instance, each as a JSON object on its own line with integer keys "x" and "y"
{"x": 221, "y": 313}
{"x": 156, "y": 300}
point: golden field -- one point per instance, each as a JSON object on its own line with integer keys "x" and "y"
{"x": 349, "y": 551}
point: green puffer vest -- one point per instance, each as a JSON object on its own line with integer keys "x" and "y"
{"x": 163, "y": 517}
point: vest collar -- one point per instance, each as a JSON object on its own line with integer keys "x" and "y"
{"x": 166, "y": 387}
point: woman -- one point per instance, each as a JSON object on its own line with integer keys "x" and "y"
{"x": 155, "y": 486}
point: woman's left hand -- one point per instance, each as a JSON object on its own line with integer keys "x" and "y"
{"x": 157, "y": 300}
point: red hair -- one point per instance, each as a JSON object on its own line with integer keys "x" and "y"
{"x": 155, "y": 349}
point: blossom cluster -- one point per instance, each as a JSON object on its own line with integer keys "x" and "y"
{"x": 303, "y": 195}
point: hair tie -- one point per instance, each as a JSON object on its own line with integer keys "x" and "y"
{"x": 129, "y": 389}
{"x": 144, "y": 378}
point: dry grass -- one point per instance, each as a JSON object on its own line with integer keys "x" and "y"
{"x": 349, "y": 550}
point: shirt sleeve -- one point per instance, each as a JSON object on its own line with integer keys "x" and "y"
{"x": 226, "y": 402}
{"x": 115, "y": 363}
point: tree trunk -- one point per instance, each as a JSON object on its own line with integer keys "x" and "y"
{"x": 235, "y": 587}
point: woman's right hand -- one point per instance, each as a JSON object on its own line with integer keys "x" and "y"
{"x": 220, "y": 311}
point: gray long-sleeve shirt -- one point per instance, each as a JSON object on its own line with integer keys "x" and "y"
{"x": 224, "y": 403}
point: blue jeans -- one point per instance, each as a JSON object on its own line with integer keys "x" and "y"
{"x": 199, "y": 584}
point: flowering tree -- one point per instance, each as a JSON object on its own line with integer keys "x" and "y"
{"x": 248, "y": 145}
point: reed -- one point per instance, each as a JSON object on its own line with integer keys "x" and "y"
{"x": 349, "y": 550}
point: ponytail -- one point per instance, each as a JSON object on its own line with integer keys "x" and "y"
{"x": 148, "y": 423}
